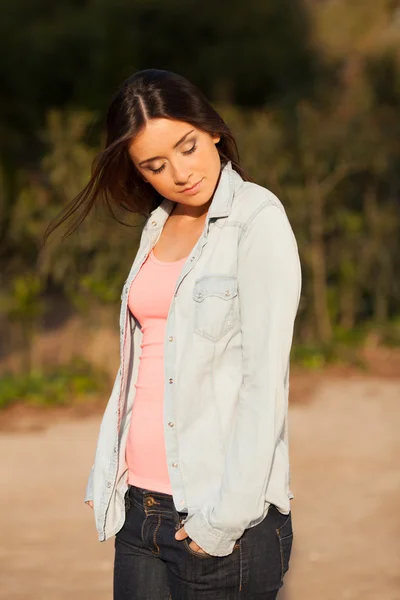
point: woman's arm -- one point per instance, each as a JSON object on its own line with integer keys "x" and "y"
{"x": 269, "y": 285}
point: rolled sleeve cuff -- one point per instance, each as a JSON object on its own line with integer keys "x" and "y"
{"x": 213, "y": 541}
{"x": 89, "y": 487}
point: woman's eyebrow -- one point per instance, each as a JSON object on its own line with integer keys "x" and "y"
{"x": 175, "y": 146}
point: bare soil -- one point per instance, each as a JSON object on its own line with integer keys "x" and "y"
{"x": 344, "y": 449}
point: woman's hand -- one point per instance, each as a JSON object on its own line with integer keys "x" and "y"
{"x": 181, "y": 535}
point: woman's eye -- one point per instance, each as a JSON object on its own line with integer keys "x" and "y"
{"x": 155, "y": 171}
{"x": 192, "y": 149}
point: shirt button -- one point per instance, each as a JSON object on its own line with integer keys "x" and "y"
{"x": 109, "y": 484}
{"x": 170, "y": 339}
{"x": 182, "y": 502}
{"x": 154, "y": 222}
{"x": 174, "y": 464}
{"x": 171, "y": 380}
{"x": 227, "y": 293}
{"x": 192, "y": 259}
{"x": 171, "y": 424}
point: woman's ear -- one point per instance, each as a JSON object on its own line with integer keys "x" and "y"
{"x": 216, "y": 138}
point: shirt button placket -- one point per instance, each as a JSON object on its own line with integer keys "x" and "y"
{"x": 169, "y": 399}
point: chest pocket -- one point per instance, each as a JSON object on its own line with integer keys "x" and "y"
{"x": 215, "y": 299}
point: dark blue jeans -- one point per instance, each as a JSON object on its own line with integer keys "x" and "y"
{"x": 150, "y": 564}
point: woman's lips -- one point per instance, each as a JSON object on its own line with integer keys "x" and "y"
{"x": 193, "y": 190}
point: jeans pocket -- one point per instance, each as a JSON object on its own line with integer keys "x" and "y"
{"x": 186, "y": 544}
{"x": 285, "y": 537}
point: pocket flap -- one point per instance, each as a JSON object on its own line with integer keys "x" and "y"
{"x": 223, "y": 286}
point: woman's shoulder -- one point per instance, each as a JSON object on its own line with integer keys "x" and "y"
{"x": 250, "y": 199}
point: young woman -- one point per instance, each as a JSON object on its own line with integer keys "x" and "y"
{"x": 191, "y": 472}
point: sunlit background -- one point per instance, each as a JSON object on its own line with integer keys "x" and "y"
{"x": 312, "y": 92}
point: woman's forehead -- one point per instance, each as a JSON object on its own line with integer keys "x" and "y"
{"x": 158, "y": 135}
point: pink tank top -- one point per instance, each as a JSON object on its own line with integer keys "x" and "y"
{"x": 149, "y": 300}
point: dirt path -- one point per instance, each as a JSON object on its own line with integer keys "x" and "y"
{"x": 345, "y": 448}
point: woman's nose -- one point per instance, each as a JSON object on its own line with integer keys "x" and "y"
{"x": 181, "y": 176}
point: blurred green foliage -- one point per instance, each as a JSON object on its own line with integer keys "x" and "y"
{"x": 55, "y": 386}
{"x": 311, "y": 91}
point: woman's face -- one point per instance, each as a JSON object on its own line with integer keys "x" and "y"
{"x": 174, "y": 156}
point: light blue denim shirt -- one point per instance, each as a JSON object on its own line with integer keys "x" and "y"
{"x": 226, "y": 362}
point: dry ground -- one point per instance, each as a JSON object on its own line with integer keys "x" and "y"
{"x": 344, "y": 449}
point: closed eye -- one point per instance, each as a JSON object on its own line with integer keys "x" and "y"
{"x": 158, "y": 170}
{"x": 192, "y": 149}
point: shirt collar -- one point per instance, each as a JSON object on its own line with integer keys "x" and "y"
{"x": 222, "y": 200}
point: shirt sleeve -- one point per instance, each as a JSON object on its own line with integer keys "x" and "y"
{"x": 269, "y": 286}
{"x": 89, "y": 486}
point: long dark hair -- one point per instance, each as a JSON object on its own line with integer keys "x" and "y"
{"x": 147, "y": 94}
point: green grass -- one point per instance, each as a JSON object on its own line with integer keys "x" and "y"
{"x": 54, "y": 387}
{"x": 316, "y": 357}
{"x": 390, "y": 333}
{"x": 346, "y": 346}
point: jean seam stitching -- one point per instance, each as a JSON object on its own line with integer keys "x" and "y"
{"x": 155, "y": 534}
{"x": 281, "y": 552}
{"x": 285, "y": 523}
{"x": 142, "y": 531}
{"x": 240, "y": 567}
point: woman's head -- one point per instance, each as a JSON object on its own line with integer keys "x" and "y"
{"x": 173, "y": 156}
{"x": 161, "y": 116}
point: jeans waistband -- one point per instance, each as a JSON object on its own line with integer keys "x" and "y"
{"x": 150, "y": 499}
